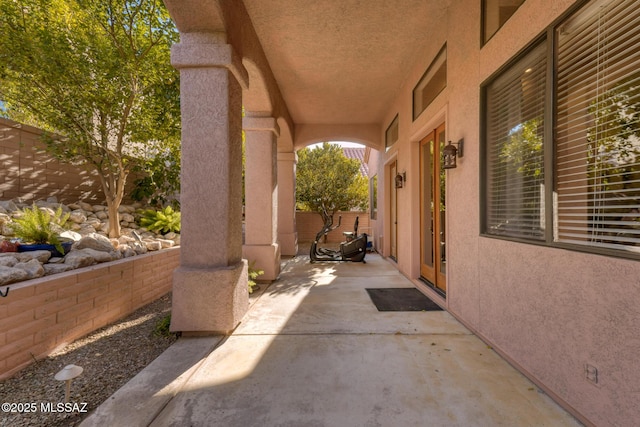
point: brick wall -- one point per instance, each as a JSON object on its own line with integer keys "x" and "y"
{"x": 27, "y": 171}
{"x": 309, "y": 224}
{"x": 43, "y": 314}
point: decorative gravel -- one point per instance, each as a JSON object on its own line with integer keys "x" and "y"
{"x": 110, "y": 356}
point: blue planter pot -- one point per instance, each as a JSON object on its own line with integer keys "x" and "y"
{"x": 46, "y": 247}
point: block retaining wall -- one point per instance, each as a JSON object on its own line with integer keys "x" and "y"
{"x": 308, "y": 224}
{"x": 41, "y": 315}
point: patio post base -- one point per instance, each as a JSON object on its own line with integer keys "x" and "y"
{"x": 209, "y": 300}
{"x": 265, "y": 258}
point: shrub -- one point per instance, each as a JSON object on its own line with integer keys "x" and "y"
{"x": 39, "y": 226}
{"x": 253, "y": 275}
{"x": 165, "y": 220}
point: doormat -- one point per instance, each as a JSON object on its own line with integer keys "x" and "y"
{"x": 401, "y": 299}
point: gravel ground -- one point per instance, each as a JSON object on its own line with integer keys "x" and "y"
{"x": 110, "y": 356}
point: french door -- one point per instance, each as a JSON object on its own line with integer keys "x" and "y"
{"x": 393, "y": 208}
{"x": 433, "y": 254}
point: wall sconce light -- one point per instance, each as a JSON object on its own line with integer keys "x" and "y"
{"x": 451, "y": 153}
{"x": 401, "y": 178}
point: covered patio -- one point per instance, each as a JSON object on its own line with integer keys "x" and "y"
{"x": 314, "y": 350}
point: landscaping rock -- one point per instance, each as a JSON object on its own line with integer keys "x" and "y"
{"x": 50, "y": 269}
{"x": 89, "y": 228}
{"x": 85, "y": 206}
{"x": 9, "y": 206}
{"x": 95, "y": 241}
{"x": 78, "y": 216}
{"x": 7, "y": 261}
{"x": 33, "y": 268}
{"x": 41, "y": 256}
{"x": 11, "y": 275}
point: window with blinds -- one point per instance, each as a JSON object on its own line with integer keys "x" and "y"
{"x": 595, "y": 151}
{"x": 597, "y": 176}
{"x": 514, "y": 180}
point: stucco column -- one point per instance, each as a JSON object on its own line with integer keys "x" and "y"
{"x": 287, "y": 231}
{"x": 210, "y": 291}
{"x": 261, "y": 203}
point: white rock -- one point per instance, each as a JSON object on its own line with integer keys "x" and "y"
{"x": 153, "y": 245}
{"x": 8, "y": 261}
{"x": 78, "y": 216}
{"x": 86, "y": 206}
{"x": 170, "y": 235}
{"x": 127, "y": 217}
{"x": 33, "y": 268}
{"x": 98, "y": 208}
{"x": 79, "y": 259}
{"x": 41, "y": 256}
{"x": 50, "y": 269}
{"x": 94, "y": 241}
{"x": 71, "y": 235}
{"x": 11, "y": 275}
{"x": 166, "y": 243}
{"x": 102, "y": 215}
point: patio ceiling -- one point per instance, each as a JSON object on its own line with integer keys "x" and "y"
{"x": 342, "y": 61}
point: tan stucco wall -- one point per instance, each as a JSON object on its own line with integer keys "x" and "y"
{"x": 549, "y": 311}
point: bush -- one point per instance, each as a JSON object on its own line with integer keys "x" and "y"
{"x": 38, "y": 226}
{"x": 164, "y": 221}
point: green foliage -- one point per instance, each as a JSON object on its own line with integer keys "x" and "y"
{"x": 161, "y": 182}
{"x": 165, "y": 220}
{"x": 38, "y": 226}
{"x": 253, "y": 275}
{"x": 327, "y": 181}
{"x": 162, "y": 328}
{"x": 97, "y": 73}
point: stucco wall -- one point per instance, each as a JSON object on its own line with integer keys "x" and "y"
{"x": 30, "y": 173}
{"x": 310, "y": 223}
{"x": 549, "y": 311}
{"x": 40, "y": 315}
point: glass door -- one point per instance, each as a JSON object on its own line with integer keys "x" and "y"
{"x": 433, "y": 255}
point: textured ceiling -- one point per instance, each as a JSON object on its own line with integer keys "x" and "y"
{"x": 341, "y": 61}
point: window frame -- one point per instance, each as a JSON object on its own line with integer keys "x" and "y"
{"x": 547, "y": 36}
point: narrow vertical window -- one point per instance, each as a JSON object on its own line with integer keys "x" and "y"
{"x": 514, "y": 179}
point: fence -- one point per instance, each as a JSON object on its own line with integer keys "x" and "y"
{"x": 28, "y": 172}
{"x": 308, "y": 224}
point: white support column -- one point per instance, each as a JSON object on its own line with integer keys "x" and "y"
{"x": 287, "y": 231}
{"x": 210, "y": 291}
{"x": 261, "y": 203}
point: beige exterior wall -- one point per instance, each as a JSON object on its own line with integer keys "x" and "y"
{"x": 310, "y": 223}
{"x": 41, "y": 315}
{"x": 30, "y": 173}
{"x": 549, "y": 311}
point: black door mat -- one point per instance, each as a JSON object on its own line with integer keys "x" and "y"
{"x": 401, "y": 299}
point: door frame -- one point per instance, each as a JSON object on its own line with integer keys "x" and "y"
{"x": 435, "y": 275}
{"x": 390, "y": 166}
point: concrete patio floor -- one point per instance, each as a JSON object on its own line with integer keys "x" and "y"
{"x": 314, "y": 351}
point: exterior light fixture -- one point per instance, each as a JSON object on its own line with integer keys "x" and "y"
{"x": 450, "y": 154}
{"x": 67, "y": 374}
{"x": 401, "y": 178}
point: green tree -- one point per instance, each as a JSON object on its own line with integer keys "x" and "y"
{"x": 328, "y": 182}
{"x": 98, "y": 74}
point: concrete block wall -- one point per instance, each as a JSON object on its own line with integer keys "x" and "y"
{"x": 310, "y": 223}
{"x": 28, "y": 172}
{"x": 41, "y": 315}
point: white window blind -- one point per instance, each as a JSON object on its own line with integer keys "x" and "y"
{"x": 514, "y": 187}
{"x": 597, "y": 156}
